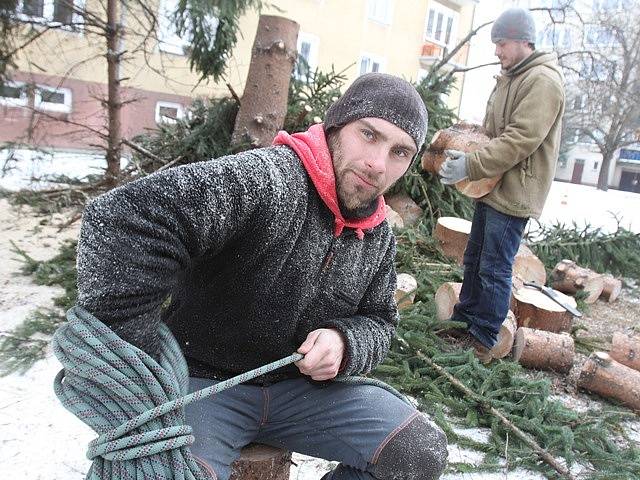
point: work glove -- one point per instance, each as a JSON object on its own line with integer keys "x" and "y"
{"x": 454, "y": 168}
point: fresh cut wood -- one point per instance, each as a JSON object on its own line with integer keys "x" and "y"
{"x": 611, "y": 288}
{"x": 544, "y": 350}
{"x": 408, "y": 210}
{"x": 506, "y": 337}
{"x": 601, "y": 374}
{"x": 534, "y": 309}
{"x": 261, "y": 462}
{"x": 406, "y": 287}
{"x": 625, "y": 349}
{"x": 528, "y": 267}
{"x": 453, "y": 233}
{"x": 446, "y": 297}
{"x": 570, "y": 278}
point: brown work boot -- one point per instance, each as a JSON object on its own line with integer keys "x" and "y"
{"x": 466, "y": 341}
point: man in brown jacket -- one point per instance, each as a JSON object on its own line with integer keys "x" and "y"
{"x": 523, "y": 118}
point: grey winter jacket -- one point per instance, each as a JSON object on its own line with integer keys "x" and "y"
{"x": 244, "y": 248}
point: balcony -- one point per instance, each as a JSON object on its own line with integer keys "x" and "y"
{"x": 432, "y": 52}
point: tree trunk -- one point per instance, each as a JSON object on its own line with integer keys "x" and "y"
{"x": 543, "y": 350}
{"x": 611, "y": 289}
{"x": 464, "y": 137}
{"x": 603, "y": 176}
{"x": 626, "y": 350}
{"x": 527, "y": 267}
{"x": 409, "y": 210}
{"x": 601, "y": 374}
{"x": 264, "y": 102}
{"x": 261, "y": 462}
{"x": 393, "y": 217}
{"x": 570, "y": 278}
{"x": 446, "y": 297}
{"x": 506, "y": 337}
{"x": 406, "y": 287}
{"x": 453, "y": 233}
{"x": 114, "y": 102}
{"x": 534, "y": 309}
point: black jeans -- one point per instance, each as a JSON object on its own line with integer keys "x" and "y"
{"x": 488, "y": 260}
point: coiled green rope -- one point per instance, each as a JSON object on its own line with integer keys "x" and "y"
{"x": 134, "y": 403}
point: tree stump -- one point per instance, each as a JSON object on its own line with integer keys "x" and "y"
{"x": 506, "y": 337}
{"x": 261, "y": 462}
{"x": 453, "y": 233}
{"x": 626, "y": 350}
{"x": 406, "y": 287}
{"x": 611, "y": 288}
{"x": 570, "y": 278}
{"x": 394, "y": 219}
{"x": 408, "y": 210}
{"x": 465, "y": 137}
{"x": 543, "y": 350}
{"x": 601, "y": 374}
{"x": 264, "y": 101}
{"x": 534, "y": 309}
{"x": 446, "y": 297}
{"x": 527, "y": 267}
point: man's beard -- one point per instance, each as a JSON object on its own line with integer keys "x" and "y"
{"x": 349, "y": 206}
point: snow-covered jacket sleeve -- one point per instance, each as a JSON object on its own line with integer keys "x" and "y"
{"x": 136, "y": 239}
{"x": 368, "y": 333}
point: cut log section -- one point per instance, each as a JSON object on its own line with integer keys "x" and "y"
{"x": 408, "y": 210}
{"x": 529, "y": 268}
{"x": 506, "y": 337}
{"x": 465, "y": 137}
{"x": 544, "y": 350}
{"x": 601, "y": 374}
{"x": 394, "y": 218}
{"x": 626, "y": 350}
{"x": 261, "y": 462}
{"x": 406, "y": 287}
{"x": 446, "y": 297}
{"x": 570, "y": 278}
{"x": 453, "y": 233}
{"x": 611, "y": 288}
{"x": 534, "y": 309}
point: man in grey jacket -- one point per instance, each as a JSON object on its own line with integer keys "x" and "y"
{"x": 524, "y": 117}
{"x": 268, "y": 252}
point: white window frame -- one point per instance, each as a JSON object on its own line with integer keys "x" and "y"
{"x": 167, "y": 120}
{"x": 380, "y": 11}
{"x": 381, "y": 61}
{"x": 23, "y": 101}
{"x": 446, "y": 13}
{"x": 48, "y": 9}
{"x": 40, "y": 104}
{"x": 168, "y": 40}
{"x": 314, "y": 47}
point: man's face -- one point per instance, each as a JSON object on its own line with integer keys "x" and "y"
{"x": 369, "y": 155}
{"x": 511, "y": 52}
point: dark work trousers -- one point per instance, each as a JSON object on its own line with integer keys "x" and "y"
{"x": 488, "y": 261}
{"x": 373, "y": 433}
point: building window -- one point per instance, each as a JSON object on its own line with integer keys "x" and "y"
{"x": 168, "y": 112}
{"x": 441, "y": 25}
{"x": 381, "y": 11}
{"x": 13, "y": 94}
{"x": 371, "y": 63}
{"x": 595, "y": 165}
{"x": 308, "y": 46}
{"x": 168, "y": 39}
{"x": 53, "y": 99}
{"x": 67, "y": 13}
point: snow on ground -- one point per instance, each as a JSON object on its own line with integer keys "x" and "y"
{"x": 39, "y": 439}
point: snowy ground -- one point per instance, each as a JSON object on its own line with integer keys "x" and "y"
{"x": 39, "y": 439}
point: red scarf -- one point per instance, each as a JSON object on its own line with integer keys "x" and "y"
{"x": 311, "y": 146}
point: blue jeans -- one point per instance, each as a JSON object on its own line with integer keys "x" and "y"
{"x": 488, "y": 260}
{"x": 373, "y": 433}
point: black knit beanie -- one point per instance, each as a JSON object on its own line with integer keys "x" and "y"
{"x": 382, "y": 96}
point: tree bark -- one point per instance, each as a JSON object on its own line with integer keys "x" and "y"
{"x": 534, "y": 309}
{"x": 626, "y": 350}
{"x": 603, "y": 176}
{"x": 528, "y": 267}
{"x": 601, "y": 374}
{"x": 570, "y": 278}
{"x": 406, "y": 287}
{"x": 453, "y": 233}
{"x": 114, "y": 102}
{"x": 544, "y": 350}
{"x": 611, "y": 288}
{"x": 264, "y": 102}
{"x": 409, "y": 210}
{"x": 261, "y": 462}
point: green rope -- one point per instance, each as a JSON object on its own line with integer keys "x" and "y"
{"x": 136, "y": 404}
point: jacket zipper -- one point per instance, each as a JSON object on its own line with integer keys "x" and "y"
{"x": 328, "y": 258}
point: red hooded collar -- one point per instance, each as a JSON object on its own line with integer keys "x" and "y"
{"x": 311, "y": 146}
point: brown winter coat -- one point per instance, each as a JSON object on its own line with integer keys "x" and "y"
{"x": 524, "y": 116}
